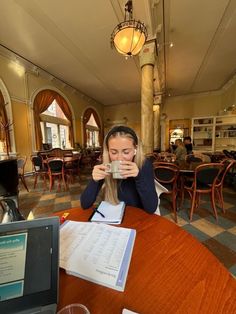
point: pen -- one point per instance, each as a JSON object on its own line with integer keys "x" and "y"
{"x": 99, "y": 213}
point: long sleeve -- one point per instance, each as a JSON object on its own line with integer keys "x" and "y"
{"x": 140, "y": 191}
{"x": 89, "y": 195}
{"x": 146, "y": 187}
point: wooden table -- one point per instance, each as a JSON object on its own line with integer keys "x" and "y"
{"x": 170, "y": 272}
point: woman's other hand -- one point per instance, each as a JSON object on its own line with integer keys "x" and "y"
{"x": 128, "y": 169}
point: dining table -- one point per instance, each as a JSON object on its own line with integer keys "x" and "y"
{"x": 170, "y": 272}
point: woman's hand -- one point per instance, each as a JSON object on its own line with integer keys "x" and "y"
{"x": 99, "y": 172}
{"x": 128, "y": 169}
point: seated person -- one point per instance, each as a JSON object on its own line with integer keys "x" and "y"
{"x": 137, "y": 187}
{"x": 180, "y": 151}
{"x": 188, "y": 144}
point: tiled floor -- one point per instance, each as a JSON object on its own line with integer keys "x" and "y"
{"x": 219, "y": 238}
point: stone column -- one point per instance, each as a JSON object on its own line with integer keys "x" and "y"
{"x": 156, "y": 126}
{"x": 147, "y": 61}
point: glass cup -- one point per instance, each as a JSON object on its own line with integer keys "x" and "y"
{"x": 75, "y": 308}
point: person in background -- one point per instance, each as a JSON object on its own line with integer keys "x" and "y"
{"x": 188, "y": 144}
{"x": 137, "y": 186}
{"x": 180, "y": 150}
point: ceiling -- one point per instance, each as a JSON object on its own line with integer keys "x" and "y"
{"x": 71, "y": 40}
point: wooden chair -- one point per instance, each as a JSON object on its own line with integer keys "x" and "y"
{"x": 167, "y": 175}
{"x": 39, "y": 170}
{"x": 227, "y": 165}
{"x": 21, "y": 161}
{"x": 166, "y": 164}
{"x": 204, "y": 182}
{"x": 56, "y": 170}
{"x": 72, "y": 168}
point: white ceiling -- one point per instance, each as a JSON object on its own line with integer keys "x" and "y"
{"x": 71, "y": 40}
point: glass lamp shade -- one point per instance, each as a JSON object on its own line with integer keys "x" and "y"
{"x": 129, "y": 37}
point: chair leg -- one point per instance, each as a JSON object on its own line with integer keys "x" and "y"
{"x": 45, "y": 181}
{"x": 213, "y": 203}
{"x": 221, "y": 198}
{"x": 64, "y": 182}
{"x": 174, "y": 201}
{"x": 24, "y": 183}
{"x": 35, "y": 180}
{"x": 194, "y": 197}
{"x": 50, "y": 182}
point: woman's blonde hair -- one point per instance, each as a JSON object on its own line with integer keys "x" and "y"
{"x": 111, "y": 185}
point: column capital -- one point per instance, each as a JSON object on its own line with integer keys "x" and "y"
{"x": 147, "y": 55}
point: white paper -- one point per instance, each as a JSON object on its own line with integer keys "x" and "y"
{"x": 97, "y": 252}
{"x": 112, "y": 213}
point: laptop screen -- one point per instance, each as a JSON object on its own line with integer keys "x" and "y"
{"x": 28, "y": 264}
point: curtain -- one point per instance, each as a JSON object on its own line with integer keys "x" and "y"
{"x": 4, "y": 134}
{"x": 86, "y": 118}
{"x": 41, "y": 102}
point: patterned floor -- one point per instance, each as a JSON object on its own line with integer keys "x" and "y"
{"x": 219, "y": 238}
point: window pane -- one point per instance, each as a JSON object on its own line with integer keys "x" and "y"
{"x": 55, "y": 111}
{"x": 64, "y": 137}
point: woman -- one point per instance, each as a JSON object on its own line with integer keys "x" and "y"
{"x": 180, "y": 151}
{"x": 137, "y": 186}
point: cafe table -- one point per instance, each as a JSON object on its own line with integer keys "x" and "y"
{"x": 170, "y": 272}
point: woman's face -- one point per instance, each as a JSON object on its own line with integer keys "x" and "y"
{"x": 121, "y": 148}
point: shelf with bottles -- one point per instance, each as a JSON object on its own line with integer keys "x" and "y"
{"x": 203, "y": 121}
{"x": 225, "y": 127}
{"x": 202, "y": 132}
{"x": 202, "y": 143}
{"x": 225, "y": 120}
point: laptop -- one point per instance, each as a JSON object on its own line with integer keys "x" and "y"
{"x": 29, "y": 270}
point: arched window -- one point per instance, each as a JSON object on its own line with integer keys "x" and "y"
{"x": 55, "y": 123}
{"x": 92, "y": 132}
{"x": 92, "y": 129}
{"x": 55, "y": 127}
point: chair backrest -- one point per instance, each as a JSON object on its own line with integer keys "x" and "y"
{"x": 37, "y": 162}
{"x": 227, "y": 164}
{"x": 55, "y": 165}
{"x": 166, "y": 164}
{"x": 205, "y": 175}
{"x": 228, "y": 154}
{"x": 167, "y": 176}
{"x": 21, "y": 161}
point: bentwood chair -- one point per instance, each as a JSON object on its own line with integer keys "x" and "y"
{"x": 228, "y": 164}
{"x": 71, "y": 168}
{"x": 39, "y": 170}
{"x": 167, "y": 175}
{"x": 56, "y": 170}
{"x": 204, "y": 182}
{"x": 21, "y": 161}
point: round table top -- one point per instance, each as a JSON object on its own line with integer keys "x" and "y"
{"x": 170, "y": 272}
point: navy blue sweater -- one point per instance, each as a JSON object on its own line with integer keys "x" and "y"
{"x": 138, "y": 192}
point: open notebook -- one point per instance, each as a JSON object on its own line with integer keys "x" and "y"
{"x": 108, "y": 213}
{"x": 29, "y": 252}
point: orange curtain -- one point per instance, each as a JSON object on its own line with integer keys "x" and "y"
{"x": 86, "y": 117}
{"x": 41, "y": 102}
{"x": 4, "y": 135}
{"x": 67, "y": 112}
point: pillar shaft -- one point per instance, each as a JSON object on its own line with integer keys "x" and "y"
{"x": 147, "y": 59}
{"x": 147, "y": 108}
{"x": 156, "y": 127}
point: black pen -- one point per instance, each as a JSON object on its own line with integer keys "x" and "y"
{"x": 100, "y": 213}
